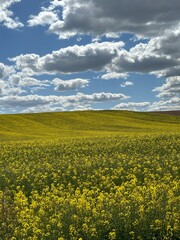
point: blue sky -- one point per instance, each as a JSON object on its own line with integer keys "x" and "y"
{"x": 65, "y": 55}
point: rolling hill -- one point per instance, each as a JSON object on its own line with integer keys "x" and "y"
{"x": 68, "y": 175}
{"x": 83, "y": 123}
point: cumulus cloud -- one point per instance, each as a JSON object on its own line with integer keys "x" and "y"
{"x": 127, "y": 83}
{"x": 5, "y": 70}
{"x": 24, "y": 101}
{"x": 94, "y": 56}
{"x": 158, "y": 56}
{"x": 28, "y": 62}
{"x": 168, "y": 105}
{"x": 158, "y": 21}
{"x": 17, "y": 83}
{"x": 114, "y": 75}
{"x": 168, "y": 45}
{"x": 30, "y": 81}
{"x": 53, "y": 101}
{"x": 7, "y": 90}
{"x": 171, "y": 88}
{"x": 134, "y": 106}
{"x": 44, "y": 18}
{"x": 73, "y": 84}
{"x": 37, "y": 109}
{"x": 20, "y": 82}
{"x": 2, "y": 87}
{"x": 7, "y": 18}
{"x": 169, "y": 72}
{"x": 143, "y": 58}
{"x": 106, "y": 17}
{"x": 76, "y": 107}
{"x": 96, "y": 97}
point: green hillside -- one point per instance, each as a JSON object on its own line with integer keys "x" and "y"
{"x": 40, "y": 125}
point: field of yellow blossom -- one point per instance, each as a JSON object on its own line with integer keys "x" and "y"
{"x": 105, "y": 175}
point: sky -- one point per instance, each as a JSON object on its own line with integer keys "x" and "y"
{"x": 66, "y": 55}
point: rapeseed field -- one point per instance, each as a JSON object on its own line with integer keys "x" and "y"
{"x": 89, "y": 176}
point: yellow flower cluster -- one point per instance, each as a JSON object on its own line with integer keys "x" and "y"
{"x": 94, "y": 188}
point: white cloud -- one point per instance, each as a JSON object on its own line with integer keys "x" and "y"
{"x": 171, "y": 88}
{"x": 14, "y": 91}
{"x": 73, "y": 84}
{"x": 114, "y": 75}
{"x": 5, "y": 85}
{"x": 159, "y": 56}
{"x": 21, "y": 81}
{"x": 44, "y": 18}
{"x": 28, "y": 62}
{"x": 96, "y": 97}
{"x": 103, "y": 17}
{"x": 5, "y": 70}
{"x": 52, "y": 101}
{"x": 7, "y": 90}
{"x": 2, "y": 87}
{"x": 16, "y": 83}
{"x": 94, "y": 56}
{"x": 168, "y": 105}
{"x": 112, "y": 35}
{"x": 169, "y": 72}
{"x": 6, "y": 15}
{"x": 143, "y": 58}
{"x": 169, "y": 46}
{"x": 29, "y": 82}
{"x": 53, "y": 5}
{"x": 134, "y": 106}
{"x": 35, "y": 89}
{"x": 37, "y": 109}
{"x": 127, "y": 83}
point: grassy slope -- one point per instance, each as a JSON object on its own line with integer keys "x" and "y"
{"x": 48, "y": 125}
